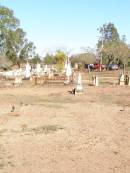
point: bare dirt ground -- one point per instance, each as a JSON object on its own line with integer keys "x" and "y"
{"x": 52, "y": 131}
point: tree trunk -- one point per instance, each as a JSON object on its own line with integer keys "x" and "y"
{"x": 19, "y": 65}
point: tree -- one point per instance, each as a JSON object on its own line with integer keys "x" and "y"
{"x": 13, "y": 42}
{"x": 112, "y": 49}
{"x": 36, "y": 59}
{"x": 108, "y": 33}
{"x": 49, "y": 59}
{"x": 7, "y": 22}
{"x": 60, "y": 57}
{"x": 118, "y": 53}
{"x": 18, "y": 47}
{"x": 84, "y": 58}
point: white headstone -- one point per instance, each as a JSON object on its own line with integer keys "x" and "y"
{"x": 45, "y": 68}
{"x": 28, "y": 71}
{"x": 38, "y": 69}
{"x": 68, "y": 73}
{"x": 122, "y": 80}
{"x": 79, "y": 86}
{"x": 50, "y": 73}
{"x": 69, "y": 70}
{"x": 129, "y": 81}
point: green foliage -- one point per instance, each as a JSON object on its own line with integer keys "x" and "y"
{"x": 83, "y": 58}
{"x": 7, "y": 18}
{"x": 116, "y": 52}
{"x": 18, "y": 49}
{"x": 49, "y": 59}
{"x": 8, "y": 23}
{"x": 108, "y": 33}
{"x": 13, "y": 42}
{"x": 114, "y": 49}
{"x": 36, "y": 59}
{"x": 60, "y": 57}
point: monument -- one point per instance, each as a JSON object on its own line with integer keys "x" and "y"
{"x": 68, "y": 73}
{"x": 38, "y": 69}
{"x": 129, "y": 81}
{"x": 122, "y": 80}
{"x": 79, "y": 88}
{"x": 45, "y": 69}
{"x": 95, "y": 81}
{"x": 28, "y": 71}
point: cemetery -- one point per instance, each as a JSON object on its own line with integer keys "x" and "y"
{"x": 39, "y": 114}
{"x": 64, "y": 87}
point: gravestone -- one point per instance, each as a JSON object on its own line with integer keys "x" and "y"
{"x": 79, "y": 86}
{"x": 95, "y": 81}
{"x": 28, "y": 71}
{"x": 38, "y": 69}
{"x": 122, "y": 80}
{"x": 68, "y": 73}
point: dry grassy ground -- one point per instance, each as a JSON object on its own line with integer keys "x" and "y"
{"x": 52, "y": 131}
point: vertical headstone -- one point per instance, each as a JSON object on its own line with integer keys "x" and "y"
{"x": 122, "y": 80}
{"x": 45, "y": 68}
{"x": 38, "y": 69}
{"x": 68, "y": 73}
{"x": 28, "y": 71}
{"x": 79, "y": 87}
{"x": 129, "y": 81}
{"x": 50, "y": 73}
{"x": 96, "y": 81}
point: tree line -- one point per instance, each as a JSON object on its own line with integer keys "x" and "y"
{"x": 15, "y": 46}
{"x": 111, "y": 49}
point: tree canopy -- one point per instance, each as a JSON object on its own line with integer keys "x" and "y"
{"x": 49, "y": 59}
{"x": 84, "y": 58}
{"x": 111, "y": 48}
{"x": 13, "y": 41}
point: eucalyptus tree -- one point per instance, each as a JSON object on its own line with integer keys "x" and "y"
{"x": 111, "y": 47}
{"x": 13, "y": 41}
{"x": 19, "y": 48}
{"x": 8, "y": 22}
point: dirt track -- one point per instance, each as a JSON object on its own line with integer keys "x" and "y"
{"x": 52, "y": 131}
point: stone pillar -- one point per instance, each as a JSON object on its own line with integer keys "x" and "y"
{"x": 79, "y": 87}
{"x": 129, "y": 81}
{"x": 122, "y": 80}
{"x": 95, "y": 81}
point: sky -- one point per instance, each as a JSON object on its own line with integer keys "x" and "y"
{"x": 69, "y": 24}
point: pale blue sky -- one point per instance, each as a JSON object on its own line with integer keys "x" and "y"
{"x": 72, "y": 24}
